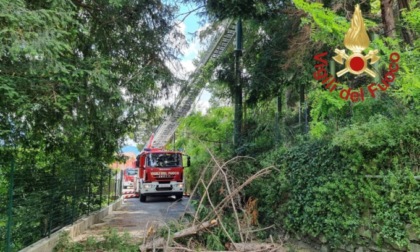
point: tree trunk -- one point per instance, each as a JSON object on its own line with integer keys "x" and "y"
{"x": 364, "y": 7}
{"x": 388, "y": 18}
{"x": 407, "y": 33}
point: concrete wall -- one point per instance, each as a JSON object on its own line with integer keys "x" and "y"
{"x": 78, "y": 227}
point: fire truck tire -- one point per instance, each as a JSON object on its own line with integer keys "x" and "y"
{"x": 178, "y": 196}
{"x": 142, "y": 198}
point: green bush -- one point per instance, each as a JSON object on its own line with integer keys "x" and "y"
{"x": 362, "y": 179}
{"x": 112, "y": 241}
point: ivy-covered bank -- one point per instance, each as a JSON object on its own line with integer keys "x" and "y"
{"x": 359, "y": 188}
{"x": 346, "y": 171}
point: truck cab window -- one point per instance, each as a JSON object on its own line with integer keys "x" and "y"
{"x": 164, "y": 160}
{"x": 152, "y": 160}
{"x": 131, "y": 172}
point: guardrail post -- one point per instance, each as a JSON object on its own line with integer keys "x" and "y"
{"x": 121, "y": 183}
{"x": 89, "y": 191}
{"x": 101, "y": 186}
{"x": 109, "y": 184}
{"x": 52, "y": 200}
{"x": 8, "y": 247}
{"x": 73, "y": 202}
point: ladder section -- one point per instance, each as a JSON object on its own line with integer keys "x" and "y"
{"x": 190, "y": 92}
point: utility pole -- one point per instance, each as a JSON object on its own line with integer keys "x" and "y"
{"x": 237, "y": 139}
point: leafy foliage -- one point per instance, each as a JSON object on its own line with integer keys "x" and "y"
{"x": 351, "y": 181}
{"x": 76, "y": 77}
{"x": 327, "y": 190}
{"x": 69, "y": 78}
{"x": 198, "y": 132}
{"x": 111, "y": 241}
{"x": 240, "y": 9}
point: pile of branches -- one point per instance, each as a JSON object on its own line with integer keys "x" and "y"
{"x": 231, "y": 203}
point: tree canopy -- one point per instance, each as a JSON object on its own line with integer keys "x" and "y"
{"x": 85, "y": 72}
{"x": 341, "y": 163}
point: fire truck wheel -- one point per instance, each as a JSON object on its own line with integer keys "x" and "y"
{"x": 142, "y": 198}
{"x": 178, "y": 196}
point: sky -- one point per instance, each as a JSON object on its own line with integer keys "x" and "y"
{"x": 189, "y": 26}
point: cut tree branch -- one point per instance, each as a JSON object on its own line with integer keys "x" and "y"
{"x": 161, "y": 242}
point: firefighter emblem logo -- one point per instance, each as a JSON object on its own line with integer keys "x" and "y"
{"x": 356, "y": 40}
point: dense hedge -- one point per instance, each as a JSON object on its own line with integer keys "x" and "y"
{"x": 354, "y": 186}
{"x": 359, "y": 186}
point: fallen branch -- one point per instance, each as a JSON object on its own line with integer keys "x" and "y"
{"x": 211, "y": 180}
{"x": 195, "y": 229}
{"x": 205, "y": 193}
{"x": 223, "y": 203}
{"x": 221, "y": 174}
{"x": 193, "y": 193}
{"x": 217, "y": 215}
{"x": 235, "y": 212}
{"x": 161, "y": 242}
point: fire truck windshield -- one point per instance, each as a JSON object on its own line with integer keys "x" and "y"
{"x": 131, "y": 172}
{"x": 164, "y": 160}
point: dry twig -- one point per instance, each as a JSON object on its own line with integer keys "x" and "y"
{"x": 220, "y": 173}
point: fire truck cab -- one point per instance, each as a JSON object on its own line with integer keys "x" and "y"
{"x": 161, "y": 173}
{"x": 129, "y": 177}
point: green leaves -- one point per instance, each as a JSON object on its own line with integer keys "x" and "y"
{"x": 74, "y": 81}
{"x": 318, "y": 195}
{"x": 327, "y": 111}
{"x": 327, "y": 23}
{"x": 34, "y": 34}
{"x": 412, "y": 17}
{"x": 66, "y": 68}
{"x": 222, "y": 9}
{"x": 199, "y": 132}
{"x": 382, "y": 143}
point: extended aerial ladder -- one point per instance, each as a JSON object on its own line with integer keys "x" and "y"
{"x": 190, "y": 92}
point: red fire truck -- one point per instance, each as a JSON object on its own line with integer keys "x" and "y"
{"x": 161, "y": 173}
{"x": 129, "y": 177}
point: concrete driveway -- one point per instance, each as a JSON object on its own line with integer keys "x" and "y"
{"x": 135, "y": 217}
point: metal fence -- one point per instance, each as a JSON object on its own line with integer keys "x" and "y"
{"x": 37, "y": 199}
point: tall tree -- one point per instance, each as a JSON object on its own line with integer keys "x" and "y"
{"x": 75, "y": 78}
{"x": 82, "y": 71}
{"x": 388, "y": 17}
{"x": 404, "y": 5}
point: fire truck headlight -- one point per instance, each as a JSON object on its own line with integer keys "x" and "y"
{"x": 180, "y": 185}
{"x": 146, "y": 186}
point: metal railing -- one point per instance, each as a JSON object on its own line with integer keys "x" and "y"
{"x": 37, "y": 200}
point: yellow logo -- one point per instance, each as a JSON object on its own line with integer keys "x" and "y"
{"x": 356, "y": 40}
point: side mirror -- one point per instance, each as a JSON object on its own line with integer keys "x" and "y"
{"x": 188, "y": 161}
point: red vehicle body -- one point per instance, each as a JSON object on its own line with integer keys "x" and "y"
{"x": 129, "y": 178}
{"x": 161, "y": 173}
